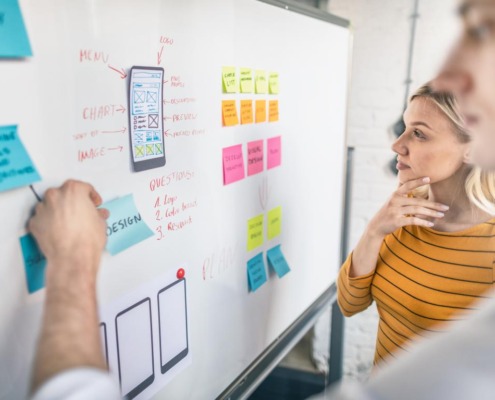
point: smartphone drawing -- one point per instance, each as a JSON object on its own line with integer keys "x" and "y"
{"x": 146, "y": 118}
{"x": 172, "y": 324}
{"x": 104, "y": 342}
{"x": 134, "y": 333}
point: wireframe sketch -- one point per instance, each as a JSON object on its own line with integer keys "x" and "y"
{"x": 134, "y": 334}
{"x": 172, "y": 324}
{"x": 146, "y": 118}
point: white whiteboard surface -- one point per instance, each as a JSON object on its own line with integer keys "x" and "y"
{"x": 46, "y": 96}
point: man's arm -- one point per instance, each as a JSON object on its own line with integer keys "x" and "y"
{"x": 70, "y": 231}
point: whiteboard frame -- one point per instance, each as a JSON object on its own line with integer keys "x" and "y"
{"x": 247, "y": 382}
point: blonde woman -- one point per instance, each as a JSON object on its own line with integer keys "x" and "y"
{"x": 429, "y": 252}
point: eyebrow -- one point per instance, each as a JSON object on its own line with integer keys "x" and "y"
{"x": 421, "y": 123}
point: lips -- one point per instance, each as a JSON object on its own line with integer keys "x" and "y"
{"x": 401, "y": 166}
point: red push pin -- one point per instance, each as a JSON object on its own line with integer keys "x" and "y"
{"x": 181, "y": 273}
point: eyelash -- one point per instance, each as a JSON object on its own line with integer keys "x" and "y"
{"x": 482, "y": 32}
{"x": 418, "y": 134}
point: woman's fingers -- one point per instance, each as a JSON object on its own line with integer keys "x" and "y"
{"x": 416, "y": 221}
{"x": 423, "y": 211}
{"x": 409, "y": 186}
{"x": 415, "y": 201}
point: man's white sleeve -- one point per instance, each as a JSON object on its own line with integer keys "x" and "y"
{"x": 79, "y": 384}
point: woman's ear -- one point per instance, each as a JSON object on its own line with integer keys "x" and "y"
{"x": 467, "y": 156}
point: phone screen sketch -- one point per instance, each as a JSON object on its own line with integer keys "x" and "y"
{"x": 172, "y": 323}
{"x": 146, "y": 118}
{"x": 135, "y": 348}
{"x": 104, "y": 342}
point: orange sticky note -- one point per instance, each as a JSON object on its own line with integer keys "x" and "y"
{"x": 246, "y": 111}
{"x": 229, "y": 113}
{"x": 273, "y": 110}
{"x": 260, "y": 111}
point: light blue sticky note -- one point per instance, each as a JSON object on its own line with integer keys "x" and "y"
{"x": 16, "y": 167}
{"x": 277, "y": 261}
{"x": 34, "y": 263}
{"x": 256, "y": 272}
{"x": 14, "y": 41}
{"x": 125, "y": 226}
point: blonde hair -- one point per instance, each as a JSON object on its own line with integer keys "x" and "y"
{"x": 479, "y": 184}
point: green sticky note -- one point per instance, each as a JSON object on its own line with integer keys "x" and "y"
{"x": 260, "y": 81}
{"x": 274, "y": 222}
{"x": 246, "y": 78}
{"x": 255, "y": 232}
{"x": 229, "y": 80}
{"x": 273, "y": 82}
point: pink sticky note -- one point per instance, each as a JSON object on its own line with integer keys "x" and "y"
{"x": 255, "y": 157}
{"x": 233, "y": 164}
{"x": 274, "y": 152}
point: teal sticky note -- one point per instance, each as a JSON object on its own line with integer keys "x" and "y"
{"x": 34, "y": 263}
{"x": 277, "y": 261}
{"x": 125, "y": 226}
{"x": 256, "y": 272}
{"x": 16, "y": 167}
{"x": 14, "y": 41}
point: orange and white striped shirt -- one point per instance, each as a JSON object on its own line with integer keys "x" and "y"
{"x": 423, "y": 279}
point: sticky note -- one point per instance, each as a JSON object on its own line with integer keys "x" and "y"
{"x": 16, "y": 167}
{"x": 273, "y": 82}
{"x": 277, "y": 261}
{"x": 274, "y": 152}
{"x": 34, "y": 263}
{"x": 260, "y": 111}
{"x": 229, "y": 80}
{"x": 255, "y": 232}
{"x": 256, "y": 272}
{"x": 229, "y": 113}
{"x": 246, "y": 111}
{"x": 260, "y": 82}
{"x": 255, "y": 157}
{"x": 125, "y": 226}
{"x": 233, "y": 164}
{"x": 14, "y": 41}
{"x": 274, "y": 222}
{"x": 246, "y": 79}
{"x": 273, "y": 111}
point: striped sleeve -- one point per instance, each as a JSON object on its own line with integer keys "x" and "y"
{"x": 353, "y": 294}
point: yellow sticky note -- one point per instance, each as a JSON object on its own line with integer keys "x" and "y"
{"x": 274, "y": 222}
{"x": 229, "y": 113}
{"x": 246, "y": 78}
{"x": 273, "y": 82}
{"x": 255, "y": 232}
{"x": 229, "y": 80}
{"x": 261, "y": 85}
{"x": 273, "y": 110}
{"x": 246, "y": 111}
{"x": 260, "y": 111}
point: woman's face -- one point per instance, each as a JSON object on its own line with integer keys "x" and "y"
{"x": 429, "y": 146}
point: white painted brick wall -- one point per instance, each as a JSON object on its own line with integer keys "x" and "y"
{"x": 380, "y": 50}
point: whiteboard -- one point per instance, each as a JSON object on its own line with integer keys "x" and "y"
{"x": 67, "y": 100}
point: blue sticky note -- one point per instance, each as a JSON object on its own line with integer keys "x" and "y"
{"x": 277, "y": 261}
{"x": 256, "y": 272}
{"x": 125, "y": 226}
{"x": 34, "y": 263}
{"x": 14, "y": 41}
{"x": 16, "y": 167}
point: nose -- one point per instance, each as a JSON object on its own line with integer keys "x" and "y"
{"x": 400, "y": 145}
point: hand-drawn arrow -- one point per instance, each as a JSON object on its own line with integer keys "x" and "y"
{"x": 119, "y": 148}
{"x": 160, "y": 56}
{"x": 121, "y": 109}
{"x": 119, "y": 131}
{"x": 122, "y": 72}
